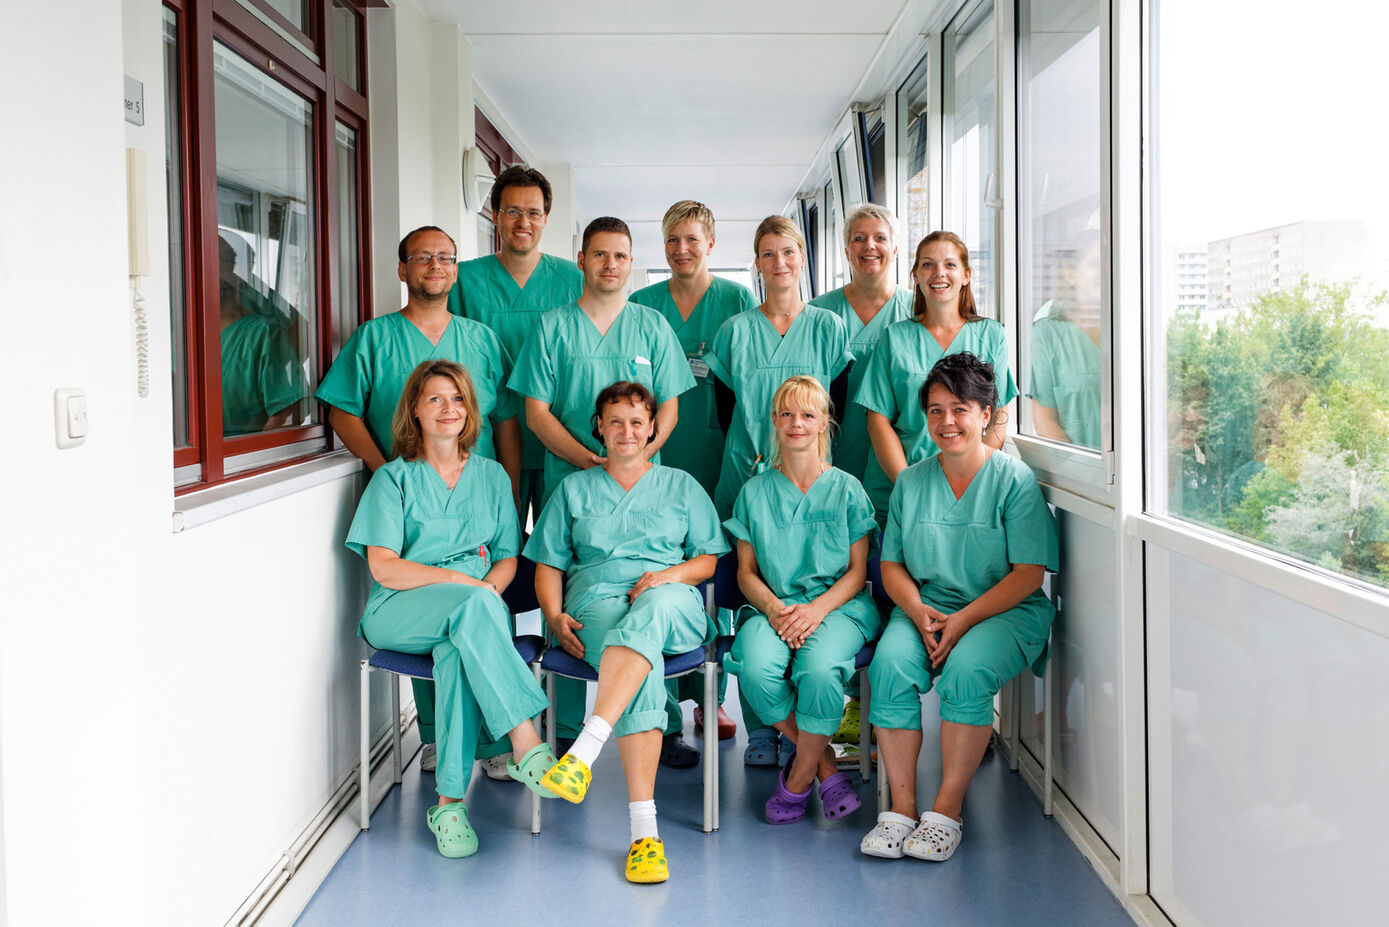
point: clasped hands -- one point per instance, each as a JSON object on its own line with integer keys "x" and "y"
{"x": 939, "y": 631}
{"x": 794, "y": 623}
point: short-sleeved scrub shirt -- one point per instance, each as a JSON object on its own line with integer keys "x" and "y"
{"x": 892, "y": 384}
{"x": 752, "y": 359}
{"x": 261, "y": 373}
{"x": 567, "y": 363}
{"x": 696, "y": 445}
{"x": 604, "y": 538}
{"x": 851, "y": 445}
{"x": 486, "y": 292}
{"x": 369, "y": 374}
{"x": 1066, "y": 378}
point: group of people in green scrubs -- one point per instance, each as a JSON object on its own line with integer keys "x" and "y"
{"x": 641, "y": 435}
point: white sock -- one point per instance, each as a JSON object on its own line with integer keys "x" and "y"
{"x": 643, "y": 815}
{"x": 590, "y": 741}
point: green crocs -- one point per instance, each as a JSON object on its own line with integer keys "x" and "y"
{"x": 532, "y": 769}
{"x": 455, "y": 835}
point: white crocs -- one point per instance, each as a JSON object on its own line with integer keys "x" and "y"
{"x": 885, "y": 840}
{"x": 936, "y": 839}
{"x": 495, "y": 767}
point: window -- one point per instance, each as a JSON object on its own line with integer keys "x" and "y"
{"x": 1269, "y": 390}
{"x": 913, "y": 99}
{"x": 970, "y": 178}
{"x": 267, "y": 273}
{"x": 500, "y": 154}
{"x": 1059, "y": 148}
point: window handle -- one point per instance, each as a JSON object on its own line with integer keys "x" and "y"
{"x": 991, "y": 199}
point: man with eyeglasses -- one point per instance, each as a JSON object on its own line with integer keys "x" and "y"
{"x": 510, "y": 290}
{"x": 364, "y": 384}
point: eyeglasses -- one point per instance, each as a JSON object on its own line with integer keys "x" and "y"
{"x": 535, "y": 215}
{"x": 424, "y": 258}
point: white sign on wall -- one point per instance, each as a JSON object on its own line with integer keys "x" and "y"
{"x": 134, "y": 101}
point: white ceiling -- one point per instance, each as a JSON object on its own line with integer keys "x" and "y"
{"x": 725, "y": 101}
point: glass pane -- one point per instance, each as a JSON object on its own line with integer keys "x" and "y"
{"x": 349, "y": 270}
{"x": 173, "y": 177}
{"x": 1277, "y": 422}
{"x": 969, "y": 176}
{"x": 915, "y": 99}
{"x": 296, "y": 11}
{"x": 877, "y": 161}
{"x": 265, "y": 224}
{"x": 1059, "y": 92}
{"x": 486, "y": 236}
{"x": 346, "y": 27}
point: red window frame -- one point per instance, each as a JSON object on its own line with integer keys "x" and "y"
{"x": 499, "y": 154}
{"x": 200, "y": 23}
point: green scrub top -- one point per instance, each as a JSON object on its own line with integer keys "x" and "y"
{"x": 567, "y": 363}
{"x": 957, "y": 550}
{"x": 409, "y": 509}
{"x": 752, "y": 360}
{"x": 696, "y": 445}
{"x": 487, "y": 293}
{"x": 892, "y": 383}
{"x": 369, "y": 374}
{"x": 802, "y": 540}
{"x": 1066, "y": 377}
{"x": 604, "y": 537}
{"x": 851, "y": 445}
{"x": 261, "y": 373}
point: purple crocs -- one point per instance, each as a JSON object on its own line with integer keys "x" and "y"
{"x": 837, "y": 797}
{"x": 786, "y": 806}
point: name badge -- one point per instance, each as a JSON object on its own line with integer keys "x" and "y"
{"x": 698, "y": 367}
{"x": 641, "y": 360}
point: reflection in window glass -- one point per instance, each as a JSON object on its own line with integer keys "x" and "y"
{"x": 969, "y": 176}
{"x": 265, "y": 248}
{"x": 486, "y": 236}
{"x": 173, "y": 174}
{"x": 345, "y": 42}
{"x": 296, "y": 11}
{"x": 914, "y": 100}
{"x": 1059, "y": 82}
{"x": 877, "y": 163}
{"x": 1276, "y": 382}
{"x": 349, "y": 295}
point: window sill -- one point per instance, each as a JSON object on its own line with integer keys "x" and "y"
{"x": 199, "y": 508}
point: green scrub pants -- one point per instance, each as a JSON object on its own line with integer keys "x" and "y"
{"x": 988, "y": 655}
{"x": 809, "y": 680}
{"x": 690, "y": 687}
{"x": 480, "y": 678}
{"x": 666, "y": 619}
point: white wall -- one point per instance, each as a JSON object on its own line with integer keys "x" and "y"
{"x": 69, "y": 631}
{"x": 174, "y": 707}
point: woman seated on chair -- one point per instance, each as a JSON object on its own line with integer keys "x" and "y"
{"x": 619, "y": 549}
{"x": 968, "y": 541}
{"x": 804, "y": 530}
{"x": 437, "y": 526}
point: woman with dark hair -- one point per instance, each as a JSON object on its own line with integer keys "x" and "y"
{"x": 944, "y": 321}
{"x": 437, "y": 526}
{"x": 970, "y": 612}
{"x": 618, "y": 550}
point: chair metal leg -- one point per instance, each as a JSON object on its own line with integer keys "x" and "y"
{"x": 364, "y": 772}
{"x": 884, "y": 794}
{"x": 535, "y": 799}
{"x": 1048, "y": 743}
{"x": 865, "y": 730}
{"x": 711, "y": 747}
{"x": 1014, "y": 723}
{"x": 550, "y": 722}
{"x": 395, "y": 727}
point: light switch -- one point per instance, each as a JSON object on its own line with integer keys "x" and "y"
{"x": 70, "y": 416}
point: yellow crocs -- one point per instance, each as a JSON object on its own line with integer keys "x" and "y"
{"x": 646, "y": 861}
{"x": 569, "y": 779}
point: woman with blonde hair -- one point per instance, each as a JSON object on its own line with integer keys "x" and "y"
{"x": 753, "y": 353}
{"x": 437, "y": 526}
{"x": 804, "y": 529}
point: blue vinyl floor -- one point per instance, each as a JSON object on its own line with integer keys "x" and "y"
{"x": 1014, "y": 866}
